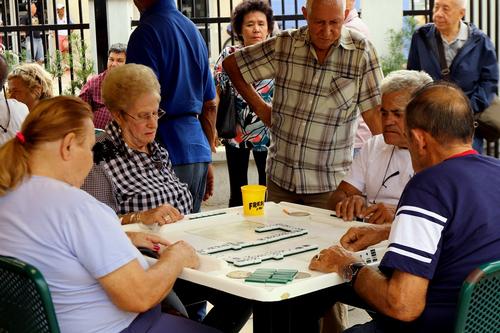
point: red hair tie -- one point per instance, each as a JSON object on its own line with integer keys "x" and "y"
{"x": 20, "y": 137}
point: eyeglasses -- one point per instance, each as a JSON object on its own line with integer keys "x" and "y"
{"x": 145, "y": 117}
{"x": 384, "y": 185}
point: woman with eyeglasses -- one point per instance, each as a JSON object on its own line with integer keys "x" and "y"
{"x": 29, "y": 84}
{"x": 252, "y": 22}
{"x": 98, "y": 281}
{"x": 132, "y": 172}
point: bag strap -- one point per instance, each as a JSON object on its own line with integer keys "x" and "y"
{"x": 445, "y": 71}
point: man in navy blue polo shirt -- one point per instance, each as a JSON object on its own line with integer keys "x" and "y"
{"x": 446, "y": 223}
{"x": 172, "y": 46}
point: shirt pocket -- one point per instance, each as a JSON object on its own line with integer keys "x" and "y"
{"x": 342, "y": 91}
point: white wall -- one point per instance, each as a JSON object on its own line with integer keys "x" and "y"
{"x": 380, "y": 16}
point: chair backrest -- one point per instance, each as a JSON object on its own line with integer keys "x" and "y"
{"x": 479, "y": 301}
{"x": 25, "y": 302}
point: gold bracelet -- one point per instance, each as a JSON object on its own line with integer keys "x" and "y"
{"x": 138, "y": 217}
{"x": 131, "y": 218}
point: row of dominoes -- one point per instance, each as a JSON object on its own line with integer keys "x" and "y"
{"x": 278, "y": 226}
{"x": 264, "y": 240}
{"x": 276, "y": 255}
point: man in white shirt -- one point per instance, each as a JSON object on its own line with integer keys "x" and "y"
{"x": 378, "y": 175}
{"x": 12, "y": 112}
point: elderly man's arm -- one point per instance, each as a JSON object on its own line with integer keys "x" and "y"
{"x": 372, "y": 119}
{"x": 208, "y": 117}
{"x": 359, "y": 238}
{"x": 402, "y": 296}
{"x": 247, "y": 91}
{"x": 133, "y": 289}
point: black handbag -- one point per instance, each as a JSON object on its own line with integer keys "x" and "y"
{"x": 226, "y": 112}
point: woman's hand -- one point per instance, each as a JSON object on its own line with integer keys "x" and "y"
{"x": 151, "y": 241}
{"x": 163, "y": 214}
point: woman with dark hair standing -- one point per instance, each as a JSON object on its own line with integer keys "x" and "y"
{"x": 252, "y": 22}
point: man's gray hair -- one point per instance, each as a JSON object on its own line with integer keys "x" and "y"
{"x": 118, "y": 48}
{"x": 404, "y": 80}
{"x": 309, "y": 4}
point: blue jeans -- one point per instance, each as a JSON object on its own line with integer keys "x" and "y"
{"x": 195, "y": 176}
{"x": 37, "y": 49}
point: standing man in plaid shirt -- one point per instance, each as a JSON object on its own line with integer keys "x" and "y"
{"x": 323, "y": 74}
{"x": 91, "y": 91}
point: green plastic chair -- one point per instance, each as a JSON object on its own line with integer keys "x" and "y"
{"x": 98, "y": 132}
{"x": 25, "y": 302}
{"x": 479, "y": 301}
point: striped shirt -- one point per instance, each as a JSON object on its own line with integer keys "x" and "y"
{"x": 314, "y": 105}
{"x": 446, "y": 225}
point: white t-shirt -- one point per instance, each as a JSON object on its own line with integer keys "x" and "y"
{"x": 374, "y": 164}
{"x": 14, "y": 119}
{"x": 73, "y": 239}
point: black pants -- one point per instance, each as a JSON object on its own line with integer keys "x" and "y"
{"x": 237, "y": 166}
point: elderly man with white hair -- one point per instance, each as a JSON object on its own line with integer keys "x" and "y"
{"x": 456, "y": 51}
{"x": 324, "y": 74}
{"x": 378, "y": 175}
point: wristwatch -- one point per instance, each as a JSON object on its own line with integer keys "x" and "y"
{"x": 351, "y": 272}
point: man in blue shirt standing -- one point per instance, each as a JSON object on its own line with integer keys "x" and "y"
{"x": 172, "y": 46}
{"x": 446, "y": 223}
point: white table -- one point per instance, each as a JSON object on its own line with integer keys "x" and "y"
{"x": 231, "y": 226}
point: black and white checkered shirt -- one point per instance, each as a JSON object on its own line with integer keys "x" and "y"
{"x": 138, "y": 181}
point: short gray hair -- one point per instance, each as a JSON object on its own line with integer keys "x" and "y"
{"x": 404, "y": 80}
{"x": 118, "y": 48}
{"x": 309, "y": 4}
{"x": 462, "y": 3}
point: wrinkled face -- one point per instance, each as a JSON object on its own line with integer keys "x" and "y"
{"x": 447, "y": 14}
{"x": 325, "y": 23}
{"x": 254, "y": 28}
{"x": 19, "y": 90}
{"x": 84, "y": 157}
{"x": 140, "y": 121}
{"x": 116, "y": 59}
{"x": 392, "y": 113}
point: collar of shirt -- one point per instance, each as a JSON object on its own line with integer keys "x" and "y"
{"x": 158, "y": 7}
{"x": 115, "y": 133}
{"x": 463, "y": 34}
{"x": 351, "y": 16}
{"x": 344, "y": 41}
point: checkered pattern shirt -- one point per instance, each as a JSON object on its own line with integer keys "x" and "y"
{"x": 139, "y": 181}
{"x": 314, "y": 105}
{"x": 91, "y": 93}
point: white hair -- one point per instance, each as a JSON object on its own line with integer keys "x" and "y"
{"x": 404, "y": 80}
{"x": 309, "y": 4}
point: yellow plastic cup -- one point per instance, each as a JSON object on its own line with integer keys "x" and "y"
{"x": 253, "y": 199}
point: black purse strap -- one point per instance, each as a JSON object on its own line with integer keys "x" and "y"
{"x": 445, "y": 71}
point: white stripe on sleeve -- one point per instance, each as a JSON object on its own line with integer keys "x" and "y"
{"x": 416, "y": 232}
{"x": 409, "y": 254}
{"x": 423, "y": 211}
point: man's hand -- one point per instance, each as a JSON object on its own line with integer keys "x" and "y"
{"x": 379, "y": 213}
{"x": 359, "y": 238}
{"x": 182, "y": 252}
{"x": 350, "y": 207}
{"x": 152, "y": 242}
{"x": 209, "y": 189}
{"x": 264, "y": 113}
{"x": 333, "y": 259}
{"x": 163, "y": 214}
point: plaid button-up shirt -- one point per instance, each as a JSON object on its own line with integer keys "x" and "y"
{"x": 91, "y": 93}
{"x": 314, "y": 106}
{"x": 138, "y": 181}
